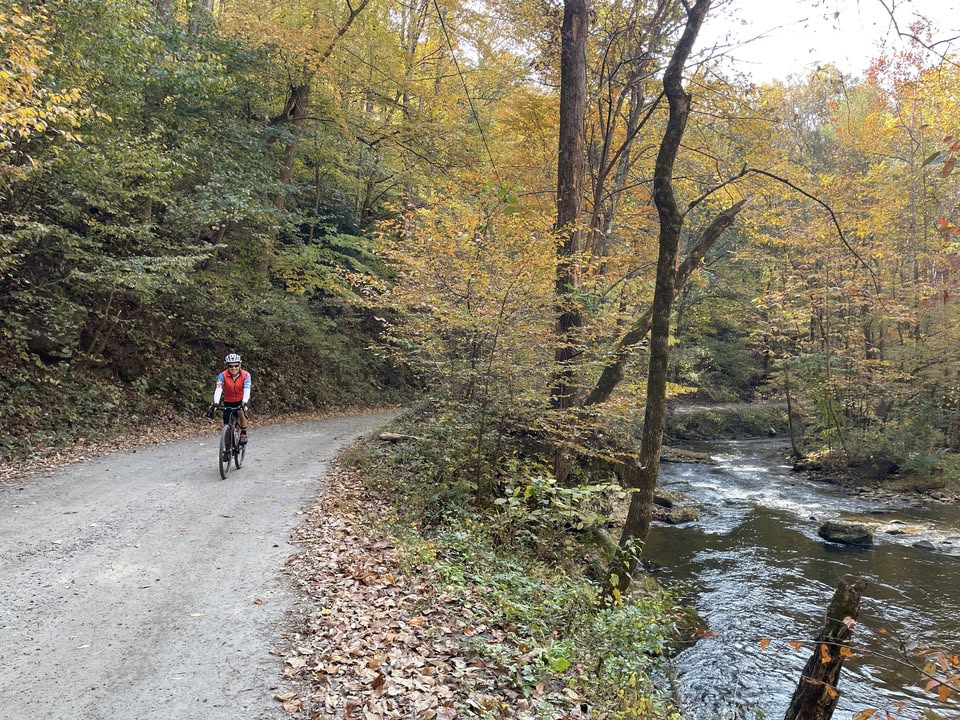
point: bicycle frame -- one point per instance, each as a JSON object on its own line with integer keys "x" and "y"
{"x": 230, "y": 447}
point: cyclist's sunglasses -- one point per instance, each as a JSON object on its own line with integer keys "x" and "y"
{"x": 232, "y": 365}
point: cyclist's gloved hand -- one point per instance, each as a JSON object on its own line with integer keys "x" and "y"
{"x": 210, "y": 411}
{"x": 244, "y": 406}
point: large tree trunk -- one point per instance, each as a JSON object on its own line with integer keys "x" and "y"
{"x": 816, "y": 695}
{"x": 573, "y": 87}
{"x": 642, "y": 477}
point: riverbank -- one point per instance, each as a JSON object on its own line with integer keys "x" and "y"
{"x": 941, "y": 486}
{"x": 689, "y": 425}
{"x": 898, "y": 514}
{"x": 692, "y": 421}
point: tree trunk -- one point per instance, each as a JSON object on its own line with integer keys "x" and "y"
{"x": 164, "y": 9}
{"x": 295, "y": 110}
{"x": 816, "y": 695}
{"x": 570, "y": 165}
{"x": 626, "y": 62}
{"x": 293, "y": 116}
{"x": 605, "y": 200}
{"x": 642, "y": 477}
{"x": 201, "y": 13}
{"x": 794, "y": 445}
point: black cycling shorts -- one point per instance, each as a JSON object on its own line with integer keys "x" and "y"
{"x": 229, "y": 409}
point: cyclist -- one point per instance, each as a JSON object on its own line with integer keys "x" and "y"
{"x": 234, "y": 385}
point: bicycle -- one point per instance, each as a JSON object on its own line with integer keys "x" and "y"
{"x": 230, "y": 448}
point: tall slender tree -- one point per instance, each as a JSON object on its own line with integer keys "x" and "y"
{"x": 570, "y": 169}
{"x": 641, "y": 477}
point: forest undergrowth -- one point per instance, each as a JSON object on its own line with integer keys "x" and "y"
{"x": 519, "y": 572}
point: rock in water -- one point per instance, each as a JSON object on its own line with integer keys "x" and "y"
{"x": 675, "y": 515}
{"x": 848, "y": 533}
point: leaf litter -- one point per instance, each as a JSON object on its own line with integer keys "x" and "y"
{"x": 371, "y": 641}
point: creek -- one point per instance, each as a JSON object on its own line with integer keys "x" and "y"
{"x": 754, "y": 568}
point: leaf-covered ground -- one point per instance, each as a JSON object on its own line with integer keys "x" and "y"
{"x": 378, "y": 635}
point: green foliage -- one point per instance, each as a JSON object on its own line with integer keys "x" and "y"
{"x": 542, "y": 514}
{"x": 909, "y": 438}
{"x": 140, "y": 246}
{"x": 342, "y": 266}
{"x": 510, "y": 565}
{"x": 714, "y": 352}
{"x": 440, "y": 466}
{"x": 626, "y": 645}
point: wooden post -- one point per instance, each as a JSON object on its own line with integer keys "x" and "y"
{"x": 816, "y": 695}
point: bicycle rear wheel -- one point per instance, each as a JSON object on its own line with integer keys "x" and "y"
{"x": 226, "y": 448}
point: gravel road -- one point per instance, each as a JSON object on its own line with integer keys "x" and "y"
{"x": 141, "y": 585}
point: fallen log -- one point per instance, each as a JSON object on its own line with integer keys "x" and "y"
{"x": 816, "y": 695}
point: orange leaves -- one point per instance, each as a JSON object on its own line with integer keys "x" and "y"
{"x": 387, "y": 644}
{"x": 825, "y": 655}
{"x": 948, "y": 157}
{"x": 824, "y": 651}
{"x": 943, "y": 662}
{"x": 829, "y": 689}
{"x": 865, "y": 714}
{"x": 291, "y": 703}
{"x": 476, "y": 282}
{"x": 945, "y": 688}
{"x": 946, "y": 227}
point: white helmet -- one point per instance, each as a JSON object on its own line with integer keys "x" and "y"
{"x": 231, "y": 358}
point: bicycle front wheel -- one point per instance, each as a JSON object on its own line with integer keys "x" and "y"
{"x": 226, "y": 447}
{"x": 238, "y": 451}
